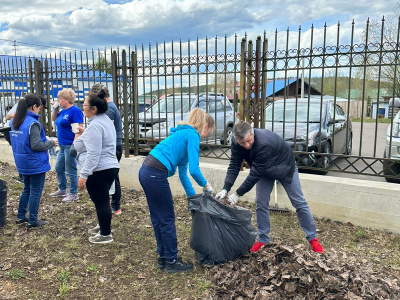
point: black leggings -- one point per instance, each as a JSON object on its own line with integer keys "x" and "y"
{"x": 98, "y": 185}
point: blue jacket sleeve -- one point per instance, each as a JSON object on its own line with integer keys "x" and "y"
{"x": 187, "y": 185}
{"x": 193, "y": 150}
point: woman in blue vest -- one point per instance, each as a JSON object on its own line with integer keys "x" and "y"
{"x": 29, "y": 146}
{"x": 180, "y": 149}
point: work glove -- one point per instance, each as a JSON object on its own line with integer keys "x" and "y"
{"x": 208, "y": 188}
{"x": 221, "y": 194}
{"x": 233, "y": 198}
{"x": 56, "y": 104}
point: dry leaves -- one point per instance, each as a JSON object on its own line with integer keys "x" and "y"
{"x": 280, "y": 272}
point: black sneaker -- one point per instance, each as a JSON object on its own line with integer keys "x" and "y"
{"x": 161, "y": 262}
{"x": 38, "y": 223}
{"x": 177, "y": 266}
{"x": 22, "y": 221}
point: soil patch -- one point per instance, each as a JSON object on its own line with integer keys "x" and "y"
{"x": 57, "y": 261}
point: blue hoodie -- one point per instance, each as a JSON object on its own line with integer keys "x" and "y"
{"x": 181, "y": 148}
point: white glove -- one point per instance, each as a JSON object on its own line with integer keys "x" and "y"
{"x": 56, "y": 104}
{"x": 208, "y": 188}
{"x": 233, "y": 198}
{"x": 221, "y": 194}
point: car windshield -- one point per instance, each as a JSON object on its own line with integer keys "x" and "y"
{"x": 167, "y": 105}
{"x": 303, "y": 114}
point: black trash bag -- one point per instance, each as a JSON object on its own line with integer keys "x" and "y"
{"x": 3, "y": 202}
{"x": 219, "y": 233}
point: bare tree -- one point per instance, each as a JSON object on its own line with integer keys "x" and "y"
{"x": 382, "y": 38}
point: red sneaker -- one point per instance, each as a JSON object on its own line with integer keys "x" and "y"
{"x": 316, "y": 246}
{"x": 257, "y": 247}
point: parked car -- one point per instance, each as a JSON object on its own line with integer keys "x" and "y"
{"x": 391, "y": 151}
{"x": 156, "y": 122}
{"x": 320, "y": 127}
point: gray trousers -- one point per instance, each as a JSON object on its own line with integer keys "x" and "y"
{"x": 263, "y": 195}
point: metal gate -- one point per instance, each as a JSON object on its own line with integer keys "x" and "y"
{"x": 269, "y": 78}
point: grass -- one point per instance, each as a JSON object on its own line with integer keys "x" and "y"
{"x": 57, "y": 261}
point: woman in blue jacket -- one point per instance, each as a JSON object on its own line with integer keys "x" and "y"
{"x": 180, "y": 149}
{"x": 29, "y": 146}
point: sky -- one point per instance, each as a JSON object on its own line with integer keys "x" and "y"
{"x": 45, "y": 26}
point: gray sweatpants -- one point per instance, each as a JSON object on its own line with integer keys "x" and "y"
{"x": 263, "y": 195}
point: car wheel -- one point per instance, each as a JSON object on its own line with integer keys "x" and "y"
{"x": 349, "y": 145}
{"x": 326, "y": 160}
{"x": 227, "y": 136}
{"x": 390, "y": 169}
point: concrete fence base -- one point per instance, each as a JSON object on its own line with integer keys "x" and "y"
{"x": 364, "y": 203}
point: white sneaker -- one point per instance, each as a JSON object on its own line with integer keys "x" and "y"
{"x": 101, "y": 239}
{"x": 58, "y": 193}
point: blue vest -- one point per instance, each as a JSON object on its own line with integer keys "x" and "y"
{"x": 28, "y": 162}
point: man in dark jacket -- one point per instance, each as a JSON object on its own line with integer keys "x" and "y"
{"x": 270, "y": 158}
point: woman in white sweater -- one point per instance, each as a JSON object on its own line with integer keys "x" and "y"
{"x": 97, "y": 162}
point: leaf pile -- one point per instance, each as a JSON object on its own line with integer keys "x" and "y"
{"x": 282, "y": 272}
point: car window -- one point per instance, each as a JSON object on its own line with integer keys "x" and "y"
{"x": 340, "y": 111}
{"x": 212, "y": 106}
{"x": 288, "y": 113}
{"x": 167, "y": 105}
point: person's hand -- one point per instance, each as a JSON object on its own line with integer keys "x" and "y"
{"x": 233, "y": 198}
{"x": 80, "y": 130}
{"x": 221, "y": 194}
{"x": 55, "y": 104}
{"x": 55, "y": 142}
{"x": 208, "y": 188}
{"x": 82, "y": 183}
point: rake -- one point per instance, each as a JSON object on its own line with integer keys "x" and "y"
{"x": 275, "y": 207}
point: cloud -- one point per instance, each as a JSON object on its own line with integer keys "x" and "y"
{"x": 88, "y": 24}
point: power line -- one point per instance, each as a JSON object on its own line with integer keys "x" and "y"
{"x": 37, "y": 45}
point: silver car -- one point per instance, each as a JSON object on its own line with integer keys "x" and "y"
{"x": 156, "y": 122}
{"x": 392, "y": 150}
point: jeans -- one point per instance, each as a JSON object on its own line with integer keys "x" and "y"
{"x": 66, "y": 163}
{"x": 33, "y": 188}
{"x": 98, "y": 185}
{"x": 159, "y": 198}
{"x": 293, "y": 190}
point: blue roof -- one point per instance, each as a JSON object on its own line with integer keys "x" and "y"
{"x": 279, "y": 85}
{"x": 17, "y": 67}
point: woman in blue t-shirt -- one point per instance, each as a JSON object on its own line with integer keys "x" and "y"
{"x": 66, "y": 163}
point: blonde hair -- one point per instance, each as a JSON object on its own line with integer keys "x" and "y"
{"x": 209, "y": 121}
{"x": 196, "y": 119}
{"x": 67, "y": 94}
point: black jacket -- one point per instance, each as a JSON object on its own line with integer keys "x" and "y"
{"x": 270, "y": 156}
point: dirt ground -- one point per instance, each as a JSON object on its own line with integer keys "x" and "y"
{"x": 58, "y": 262}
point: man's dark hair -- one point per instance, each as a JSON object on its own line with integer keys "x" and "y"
{"x": 96, "y": 88}
{"x": 241, "y": 129}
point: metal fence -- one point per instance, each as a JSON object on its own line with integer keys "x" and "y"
{"x": 308, "y": 87}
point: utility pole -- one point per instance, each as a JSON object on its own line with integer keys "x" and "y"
{"x": 15, "y": 47}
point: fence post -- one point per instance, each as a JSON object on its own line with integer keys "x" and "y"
{"x": 242, "y": 78}
{"x": 135, "y": 111}
{"x": 48, "y": 110}
{"x": 256, "y": 103}
{"x": 249, "y": 79}
{"x": 264, "y": 82}
{"x": 125, "y": 101}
